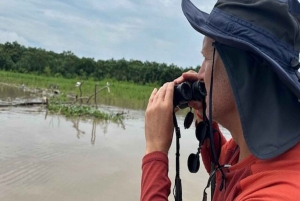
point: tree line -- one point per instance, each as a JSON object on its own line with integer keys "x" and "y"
{"x": 17, "y": 58}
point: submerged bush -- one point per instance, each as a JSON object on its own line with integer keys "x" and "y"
{"x": 83, "y": 111}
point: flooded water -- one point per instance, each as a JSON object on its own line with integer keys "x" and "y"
{"x": 11, "y": 95}
{"x": 48, "y": 157}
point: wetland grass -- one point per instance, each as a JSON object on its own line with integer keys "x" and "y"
{"x": 83, "y": 111}
{"x": 122, "y": 94}
{"x": 119, "y": 90}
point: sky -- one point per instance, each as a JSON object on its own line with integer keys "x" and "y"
{"x": 145, "y": 30}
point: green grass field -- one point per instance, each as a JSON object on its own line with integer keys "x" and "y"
{"x": 124, "y": 94}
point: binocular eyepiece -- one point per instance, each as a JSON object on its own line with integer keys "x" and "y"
{"x": 187, "y": 91}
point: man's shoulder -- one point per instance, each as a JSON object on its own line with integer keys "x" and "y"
{"x": 271, "y": 185}
{"x": 273, "y": 179}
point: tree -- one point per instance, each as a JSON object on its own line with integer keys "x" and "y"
{"x": 15, "y": 57}
{"x": 47, "y": 71}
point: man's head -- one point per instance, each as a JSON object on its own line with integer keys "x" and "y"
{"x": 258, "y": 43}
{"x": 268, "y": 28}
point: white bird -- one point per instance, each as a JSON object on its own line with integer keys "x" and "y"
{"x": 44, "y": 99}
{"x": 107, "y": 85}
{"x": 78, "y": 84}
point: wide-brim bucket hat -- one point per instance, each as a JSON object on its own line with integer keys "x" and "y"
{"x": 270, "y": 30}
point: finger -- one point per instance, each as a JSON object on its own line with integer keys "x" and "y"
{"x": 152, "y": 95}
{"x": 162, "y": 92}
{"x": 158, "y": 94}
{"x": 190, "y": 75}
{"x": 179, "y": 80}
{"x": 169, "y": 91}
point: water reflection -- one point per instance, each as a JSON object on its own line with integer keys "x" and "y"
{"x": 93, "y": 138}
{"x": 42, "y": 159}
{"x": 94, "y": 122}
{"x": 50, "y": 157}
{"x": 9, "y": 94}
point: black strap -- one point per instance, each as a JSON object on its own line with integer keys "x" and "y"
{"x": 177, "y": 191}
{"x": 211, "y": 177}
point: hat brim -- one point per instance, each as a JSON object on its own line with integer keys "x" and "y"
{"x": 266, "y": 136}
{"x": 198, "y": 20}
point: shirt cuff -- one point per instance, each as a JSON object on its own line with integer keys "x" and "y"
{"x": 155, "y": 156}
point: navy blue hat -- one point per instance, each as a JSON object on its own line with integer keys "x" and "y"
{"x": 266, "y": 36}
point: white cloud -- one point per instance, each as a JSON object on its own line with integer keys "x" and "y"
{"x": 6, "y": 36}
{"x": 133, "y": 29}
{"x": 204, "y": 6}
{"x": 112, "y": 5}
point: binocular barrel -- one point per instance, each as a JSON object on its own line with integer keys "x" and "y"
{"x": 187, "y": 91}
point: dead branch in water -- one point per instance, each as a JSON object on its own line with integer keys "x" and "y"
{"x": 80, "y": 98}
{"x": 24, "y": 104}
{"x": 96, "y": 92}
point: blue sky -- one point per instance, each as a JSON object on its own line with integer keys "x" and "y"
{"x": 146, "y": 30}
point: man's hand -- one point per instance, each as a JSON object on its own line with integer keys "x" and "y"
{"x": 159, "y": 125}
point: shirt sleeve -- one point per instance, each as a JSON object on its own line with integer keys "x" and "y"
{"x": 155, "y": 184}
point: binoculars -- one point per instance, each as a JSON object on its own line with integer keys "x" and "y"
{"x": 188, "y": 91}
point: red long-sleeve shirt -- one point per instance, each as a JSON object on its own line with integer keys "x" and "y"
{"x": 155, "y": 181}
{"x": 252, "y": 179}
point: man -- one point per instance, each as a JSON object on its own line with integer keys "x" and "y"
{"x": 250, "y": 68}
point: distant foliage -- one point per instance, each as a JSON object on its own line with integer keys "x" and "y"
{"x": 17, "y": 58}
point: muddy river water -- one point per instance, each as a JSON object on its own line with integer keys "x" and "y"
{"x": 49, "y": 157}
